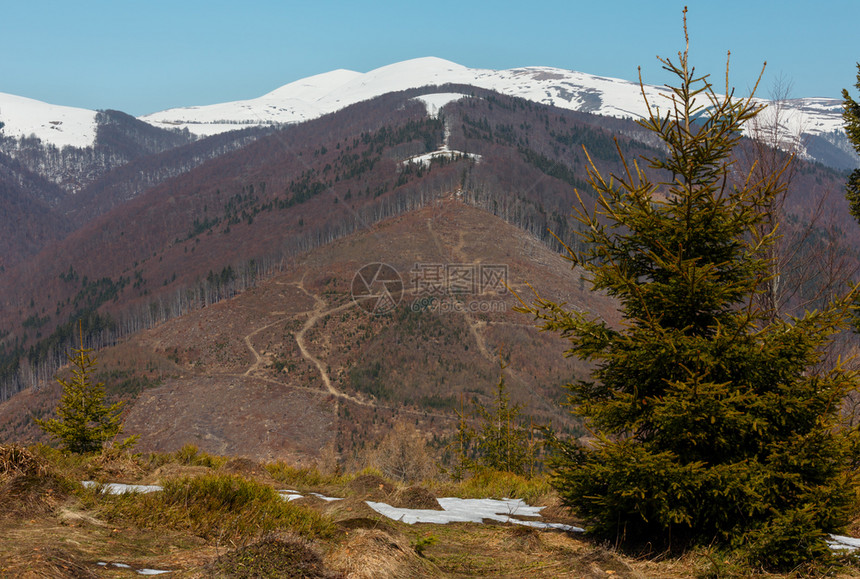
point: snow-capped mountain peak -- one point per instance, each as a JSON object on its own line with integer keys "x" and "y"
{"x": 317, "y": 95}
{"x": 312, "y": 97}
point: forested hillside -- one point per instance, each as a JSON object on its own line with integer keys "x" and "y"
{"x": 146, "y": 253}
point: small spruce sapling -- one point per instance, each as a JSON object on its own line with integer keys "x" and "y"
{"x": 84, "y": 422}
{"x": 500, "y": 441}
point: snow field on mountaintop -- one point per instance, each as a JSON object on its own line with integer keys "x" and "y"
{"x": 312, "y": 97}
{"x": 329, "y": 92}
{"x": 61, "y": 126}
{"x": 308, "y": 98}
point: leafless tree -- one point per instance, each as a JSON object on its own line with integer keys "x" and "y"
{"x": 809, "y": 263}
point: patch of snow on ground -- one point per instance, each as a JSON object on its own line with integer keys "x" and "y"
{"x": 293, "y": 495}
{"x": 454, "y": 511}
{"x": 471, "y": 511}
{"x": 118, "y": 488}
{"x": 435, "y": 102}
{"x": 138, "y": 571}
{"x": 325, "y": 498}
{"x": 427, "y": 158}
{"x": 843, "y": 543}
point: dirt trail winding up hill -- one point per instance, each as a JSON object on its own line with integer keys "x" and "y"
{"x": 294, "y": 365}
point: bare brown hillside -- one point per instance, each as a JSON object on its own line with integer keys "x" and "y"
{"x": 295, "y": 365}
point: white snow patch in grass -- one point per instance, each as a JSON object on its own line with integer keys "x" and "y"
{"x": 118, "y": 488}
{"x": 471, "y": 511}
{"x": 138, "y": 571}
{"x": 843, "y": 543}
{"x": 325, "y": 498}
{"x": 454, "y": 511}
{"x": 293, "y": 495}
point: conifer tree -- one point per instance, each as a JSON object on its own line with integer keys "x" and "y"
{"x": 462, "y": 447}
{"x": 711, "y": 420}
{"x": 851, "y": 116}
{"x": 502, "y": 443}
{"x": 84, "y": 423}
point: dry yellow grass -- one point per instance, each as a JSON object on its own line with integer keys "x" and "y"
{"x": 51, "y": 528}
{"x": 376, "y": 554}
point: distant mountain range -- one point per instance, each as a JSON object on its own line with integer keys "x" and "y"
{"x": 816, "y": 122}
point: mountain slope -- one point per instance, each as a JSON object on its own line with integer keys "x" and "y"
{"x": 27, "y": 222}
{"x": 292, "y": 365}
{"x": 74, "y": 153}
{"x": 145, "y": 164}
{"x": 294, "y": 190}
{"x": 220, "y": 227}
{"x": 76, "y": 148}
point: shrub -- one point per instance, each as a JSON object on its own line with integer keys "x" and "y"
{"x": 29, "y": 484}
{"x": 190, "y": 455}
{"x": 489, "y": 483}
{"x": 500, "y": 443}
{"x": 305, "y": 477}
{"x": 402, "y": 455}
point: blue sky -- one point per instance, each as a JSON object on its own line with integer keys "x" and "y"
{"x": 144, "y": 56}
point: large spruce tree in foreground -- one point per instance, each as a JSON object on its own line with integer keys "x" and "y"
{"x": 713, "y": 421}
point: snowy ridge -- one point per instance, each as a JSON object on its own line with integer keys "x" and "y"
{"x": 325, "y": 93}
{"x": 312, "y": 97}
{"x": 54, "y": 124}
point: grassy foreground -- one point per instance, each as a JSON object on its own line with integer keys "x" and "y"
{"x": 223, "y": 517}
